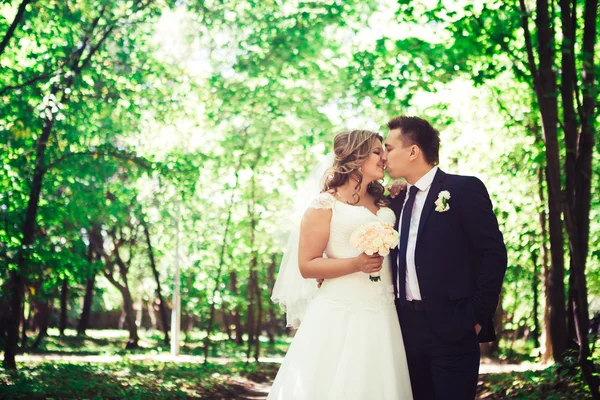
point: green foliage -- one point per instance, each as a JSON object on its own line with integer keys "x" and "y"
{"x": 545, "y": 384}
{"x": 191, "y": 114}
{"x": 132, "y": 380}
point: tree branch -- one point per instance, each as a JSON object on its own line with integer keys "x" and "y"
{"x": 587, "y": 56}
{"x": 29, "y": 82}
{"x": 528, "y": 45}
{"x": 9, "y": 34}
{"x": 111, "y": 27}
{"x": 106, "y": 150}
{"x": 85, "y": 63}
{"x": 112, "y": 280}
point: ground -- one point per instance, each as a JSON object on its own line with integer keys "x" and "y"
{"x": 97, "y": 367}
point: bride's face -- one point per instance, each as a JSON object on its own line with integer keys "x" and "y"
{"x": 372, "y": 169}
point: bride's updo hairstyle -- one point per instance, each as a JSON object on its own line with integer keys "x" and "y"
{"x": 351, "y": 150}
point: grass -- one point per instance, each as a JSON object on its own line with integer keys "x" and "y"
{"x": 151, "y": 379}
{"x": 140, "y": 380}
{"x": 548, "y": 384}
{"x": 155, "y": 380}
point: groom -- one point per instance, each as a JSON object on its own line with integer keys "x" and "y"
{"x": 448, "y": 268}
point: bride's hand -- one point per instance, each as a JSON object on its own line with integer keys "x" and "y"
{"x": 368, "y": 264}
{"x": 396, "y": 188}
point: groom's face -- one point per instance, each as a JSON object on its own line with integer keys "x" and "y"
{"x": 397, "y": 154}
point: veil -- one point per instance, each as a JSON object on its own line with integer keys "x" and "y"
{"x": 291, "y": 291}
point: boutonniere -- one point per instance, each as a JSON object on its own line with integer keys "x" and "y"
{"x": 441, "y": 204}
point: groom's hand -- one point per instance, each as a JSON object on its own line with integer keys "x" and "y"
{"x": 396, "y": 188}
{"x": 477, "y": 329}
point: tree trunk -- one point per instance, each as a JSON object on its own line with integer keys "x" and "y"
{"x": 226, "y": 322}
{"x": 222, "y": 255}
{"x": 211, "y": 319}
{"x": 94, "y": 240}
{"x": 129, "y": 317}
{"x": 189, "y": 325}
{"x": 556, "y": 277}
{"x": 161, "y": 303}
{"x": 152, "y": 313}
{"x": 87, "y": 305}
{"x": 567, "y": 88}
{"x": 250, "y": 316}
{"x": 572, "y": 343}
{"x": 579, "y": 201}
{"x": 63, "y": 306}
{"x": 139, "y": 311}
{"x": 16, "y": 281}
{"x": 3, "y": 315}
{"x": 536, "y": 300}
{"x": 512, "y": 313}
{"x": 237, "y": 320}
{"x": 259, "y": 318}
{"x": 42, "y": 318}
{"x": 254, "y": 296}
{"x": 25, "y": 325}
{"x": 127, "y": 302}
{"x": 546, "y": 94}
{"x": 272, "y": 325}
{"x": 121, "y": 318}
{"x": 254, "y": 293}
{"x": 97, "y": 243}
{"x": 546, "y": 351}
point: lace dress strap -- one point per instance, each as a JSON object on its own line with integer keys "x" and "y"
{"x": 323, "y": 200}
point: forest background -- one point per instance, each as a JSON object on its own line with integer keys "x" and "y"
{"x": 139, "y": 135}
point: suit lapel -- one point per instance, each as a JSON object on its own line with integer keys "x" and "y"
{"x": 434, "y": 190}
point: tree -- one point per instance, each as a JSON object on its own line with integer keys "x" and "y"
{"x": 61, "y": 87}
{"x": 502, "y": 39}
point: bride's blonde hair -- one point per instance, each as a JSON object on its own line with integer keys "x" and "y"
{"x": 351, "y": 150}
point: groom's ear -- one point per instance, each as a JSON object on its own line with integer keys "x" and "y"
{"x": 414, "y": 152}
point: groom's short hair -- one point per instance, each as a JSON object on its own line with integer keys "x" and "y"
{"x": 417, "y": 131}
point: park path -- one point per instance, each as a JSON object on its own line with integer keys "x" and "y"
{"x": 254, "y": 390}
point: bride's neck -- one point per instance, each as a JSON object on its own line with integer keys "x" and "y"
{"x": 349, "y": 188}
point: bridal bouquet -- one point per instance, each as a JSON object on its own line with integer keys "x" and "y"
{"x": 375, "y": 237}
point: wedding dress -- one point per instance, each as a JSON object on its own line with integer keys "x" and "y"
{"x": 349, "y": 345}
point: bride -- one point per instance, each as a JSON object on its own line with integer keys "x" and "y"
{"x": 349, "y": 344}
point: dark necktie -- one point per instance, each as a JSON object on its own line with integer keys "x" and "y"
{"x": 404, "y": 232}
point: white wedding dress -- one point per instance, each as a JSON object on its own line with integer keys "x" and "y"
{"x": 349, "y": 345}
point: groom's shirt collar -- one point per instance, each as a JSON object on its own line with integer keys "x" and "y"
{"x": 426, "y": 180}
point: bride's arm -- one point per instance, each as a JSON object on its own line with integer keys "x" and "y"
{"x": 314, "y": 235}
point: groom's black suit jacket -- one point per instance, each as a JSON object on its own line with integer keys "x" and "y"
{"x": 460, "y": 258}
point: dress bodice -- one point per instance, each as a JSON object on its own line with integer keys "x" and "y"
{"x": 355, "y": 290}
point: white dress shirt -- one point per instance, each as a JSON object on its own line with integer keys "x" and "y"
{"x": 412, "y": 283}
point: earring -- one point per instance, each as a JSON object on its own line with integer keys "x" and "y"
{"x": 360, "y": 169}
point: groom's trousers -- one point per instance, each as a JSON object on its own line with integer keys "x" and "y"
{"x": 439, "y": 369}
